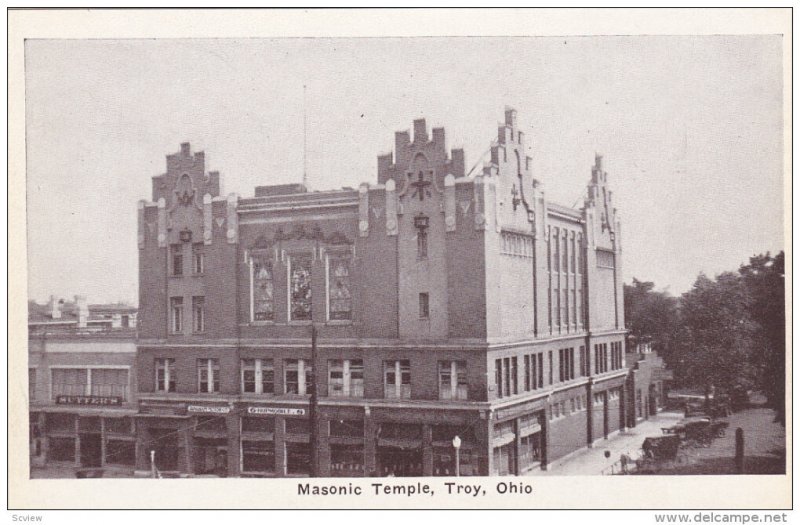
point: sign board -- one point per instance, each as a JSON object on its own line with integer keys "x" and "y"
{"x": 89, "y": 400}
{"x": 208, "y": 410}
{"x": 272, "y": 411}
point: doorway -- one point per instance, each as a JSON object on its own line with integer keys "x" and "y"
{"x": 91, "y": 450}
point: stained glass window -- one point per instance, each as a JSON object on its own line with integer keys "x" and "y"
{"x": 263, "y": 301}
{"x": 300, "y": 288}
{"x": 341, "y": 304}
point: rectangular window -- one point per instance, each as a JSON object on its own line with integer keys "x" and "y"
{"x": 109, "y": 382}
{"x": 424, "y": 311}
{"x": 258, "y": 376}
{"x": 207, "y": 375}
{"x": 176, "y": 309}
{"x": 397, "y": 379}
{"x": 165, "y": 375}
{"x": 550, "y": 360}
{"x": 565, "y": 309}
{"x": 574, "y": 307}
{"x": 540, "y": 381}
{"x": 498, "y": 376}
{"x": 300, "y": 288}
{"x": 69, "y": 382}
{"x": 514, "y": 376}
{"x": 452, "y": 380}
{"x": 198, "y": 314}
{"x": 565, "y": 255}
{"x": 422, "y": 243}
{"x": 262, "y": 289}
{"x": 572, "y": 255}
{"x": 346, "y": 378}
{"x": 198, "y": 259}
{"x": 297, "y": 376}
{"x": 556, "y": 249}
{"x": 527, "y": 360}
{"x": 583, "y": 364}
{"x": 177, "y": 259}
{"x": 340, "y": 300}
{"x": 579, "y": 255}
{"x": 561, "y": 364}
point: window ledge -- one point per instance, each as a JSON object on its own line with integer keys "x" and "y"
{"x": 339, "y": 322}
{"x": 301, "y": 323}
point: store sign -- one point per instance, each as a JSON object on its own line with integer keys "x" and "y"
{"x": 89, "y": 400}
{"x": 208, "y": 410}
{"x": 270, "y": 411}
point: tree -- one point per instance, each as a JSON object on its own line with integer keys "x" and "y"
{"x": 765, "y": 281}
{"x": 652, "y": 315}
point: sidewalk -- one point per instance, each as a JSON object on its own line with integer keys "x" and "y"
{"x": 592, "y": 461}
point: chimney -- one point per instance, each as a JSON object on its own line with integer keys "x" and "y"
{"x": 83, "y": 310}
{"x": 511, "y": 117}
{"x": 420, "y": 131}
{"x": 55, "y": 307}
{"x": 185, "y": 149}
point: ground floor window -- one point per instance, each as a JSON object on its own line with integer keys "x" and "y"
{"x": 347, "y": 460}
{"x": 258, "y": 456}
{"x": 444, "y": 462}
{"x": 399, "y": 462}
{"x": 211, "y": 456}
{"x": 62, "y": 449}
{"x": 120, "y": 452}
{"x": 504, "y": 459}
{"x": 530, "y": 451}
{"x": 164, "y": 443}
{"x": 298, "y": 458}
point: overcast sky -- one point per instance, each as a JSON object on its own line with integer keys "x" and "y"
{"x": 690, "y": 127}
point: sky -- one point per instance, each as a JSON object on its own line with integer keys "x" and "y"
{"x": 690, "y": 129}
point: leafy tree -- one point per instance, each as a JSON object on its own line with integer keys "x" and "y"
{"x": 653, "y": 315}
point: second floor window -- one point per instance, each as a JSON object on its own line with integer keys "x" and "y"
{"x": 198, "y": 314}
{"x": 262, "y": 289}
{"x": 300, "y": 288}
{"x": 340, "y": 306}
{"x": 258, "y": 376}
{"x": 198, "y": 259}
{"x": 207, "y": 375}
{"x": 452, "y": 380}
{"x": 297, "y": 376}
{"x": 165, "y": 375}
{"x": 346, "y": 378}
{"x": 397, "y": 379}
{"x": 100, "y": 382}
{"x": 177, "y": 259}
{"x": 176, "y": 314}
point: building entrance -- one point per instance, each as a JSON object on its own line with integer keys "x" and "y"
{"x": 91, "y": 450}
{"x": 399, "y": 462}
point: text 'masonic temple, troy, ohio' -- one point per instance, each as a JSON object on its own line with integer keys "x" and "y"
{"x": 445, "y": 304}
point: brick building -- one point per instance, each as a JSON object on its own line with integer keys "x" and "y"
{"x": 82, "y": 384}
{"x": 446, "y": 304}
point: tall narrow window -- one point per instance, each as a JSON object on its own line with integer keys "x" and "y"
{"x": 300, "y": 288}
{"x": 262, "y": 289}
{"x": 258, "y": 376}
{"x": 565, "y": 255}
{"x": 582, "y": 359}
{"x": 527, "y": 360}
{"x": 198, "y": 259}
{"x": 176, "y": 312}
{"x": 572, "y": 255}
{"x": 498, "y": 376}
{"x": 565, "y": 308}
{"x": 207, "y": 375}
{"x": 397, "y": 379}
{"x": 340, "y": 306}
{"x": 198, "y": 314}
{"x": 550, "y": 366}
{"x": 424, "y": 311}
{"x": 540, "y": 381}
{"x": 452, "y": 380}
{"x": 422, "y": 244}
{"x": 561, "y": 364}
{"x": 165, "y": 375}
{"x": 555, "y": 250}
{"x": 177, "y": 259}
{"x": 297, "y": 376}
{"x": 514, "y": 375}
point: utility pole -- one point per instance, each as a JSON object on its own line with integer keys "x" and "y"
{"x": 312, "y": 409}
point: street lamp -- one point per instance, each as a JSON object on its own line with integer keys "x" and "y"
{"x": 457, "y": 446}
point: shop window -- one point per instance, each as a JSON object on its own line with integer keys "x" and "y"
{"x": 165, "y": 375}
{"x": 60, "y": 422}
{"x": 258, "y": 456}
{"x": 346, "y": 378}
{"x": 120, "y": 452}
{"x": 297, "y": 426}
{"x": 397, "y": 379}
{"x": 347, "y": 461}
{"x": 258, "y": 376}
{"x": 400, "y": 431}
{"x": 346, "y": 428}
{"x": 452, "y": 380}
{"x": 300, "y": 288}
{"x": 263, "y": 425}
{"x": 262, "y": 288}
{"x": 208, "y": 375}
{"x": 298, "y": 458}
{"x": 61, "y": 449}
{"x": 119, "y": 425}
{"x": 297, "y": 376}
{"x": 340, "y": 305}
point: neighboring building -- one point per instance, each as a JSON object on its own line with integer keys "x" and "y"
{"x": 82, "y": 384}
{"x": 447, "y": 304}
{"x": 647, "y": 381}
